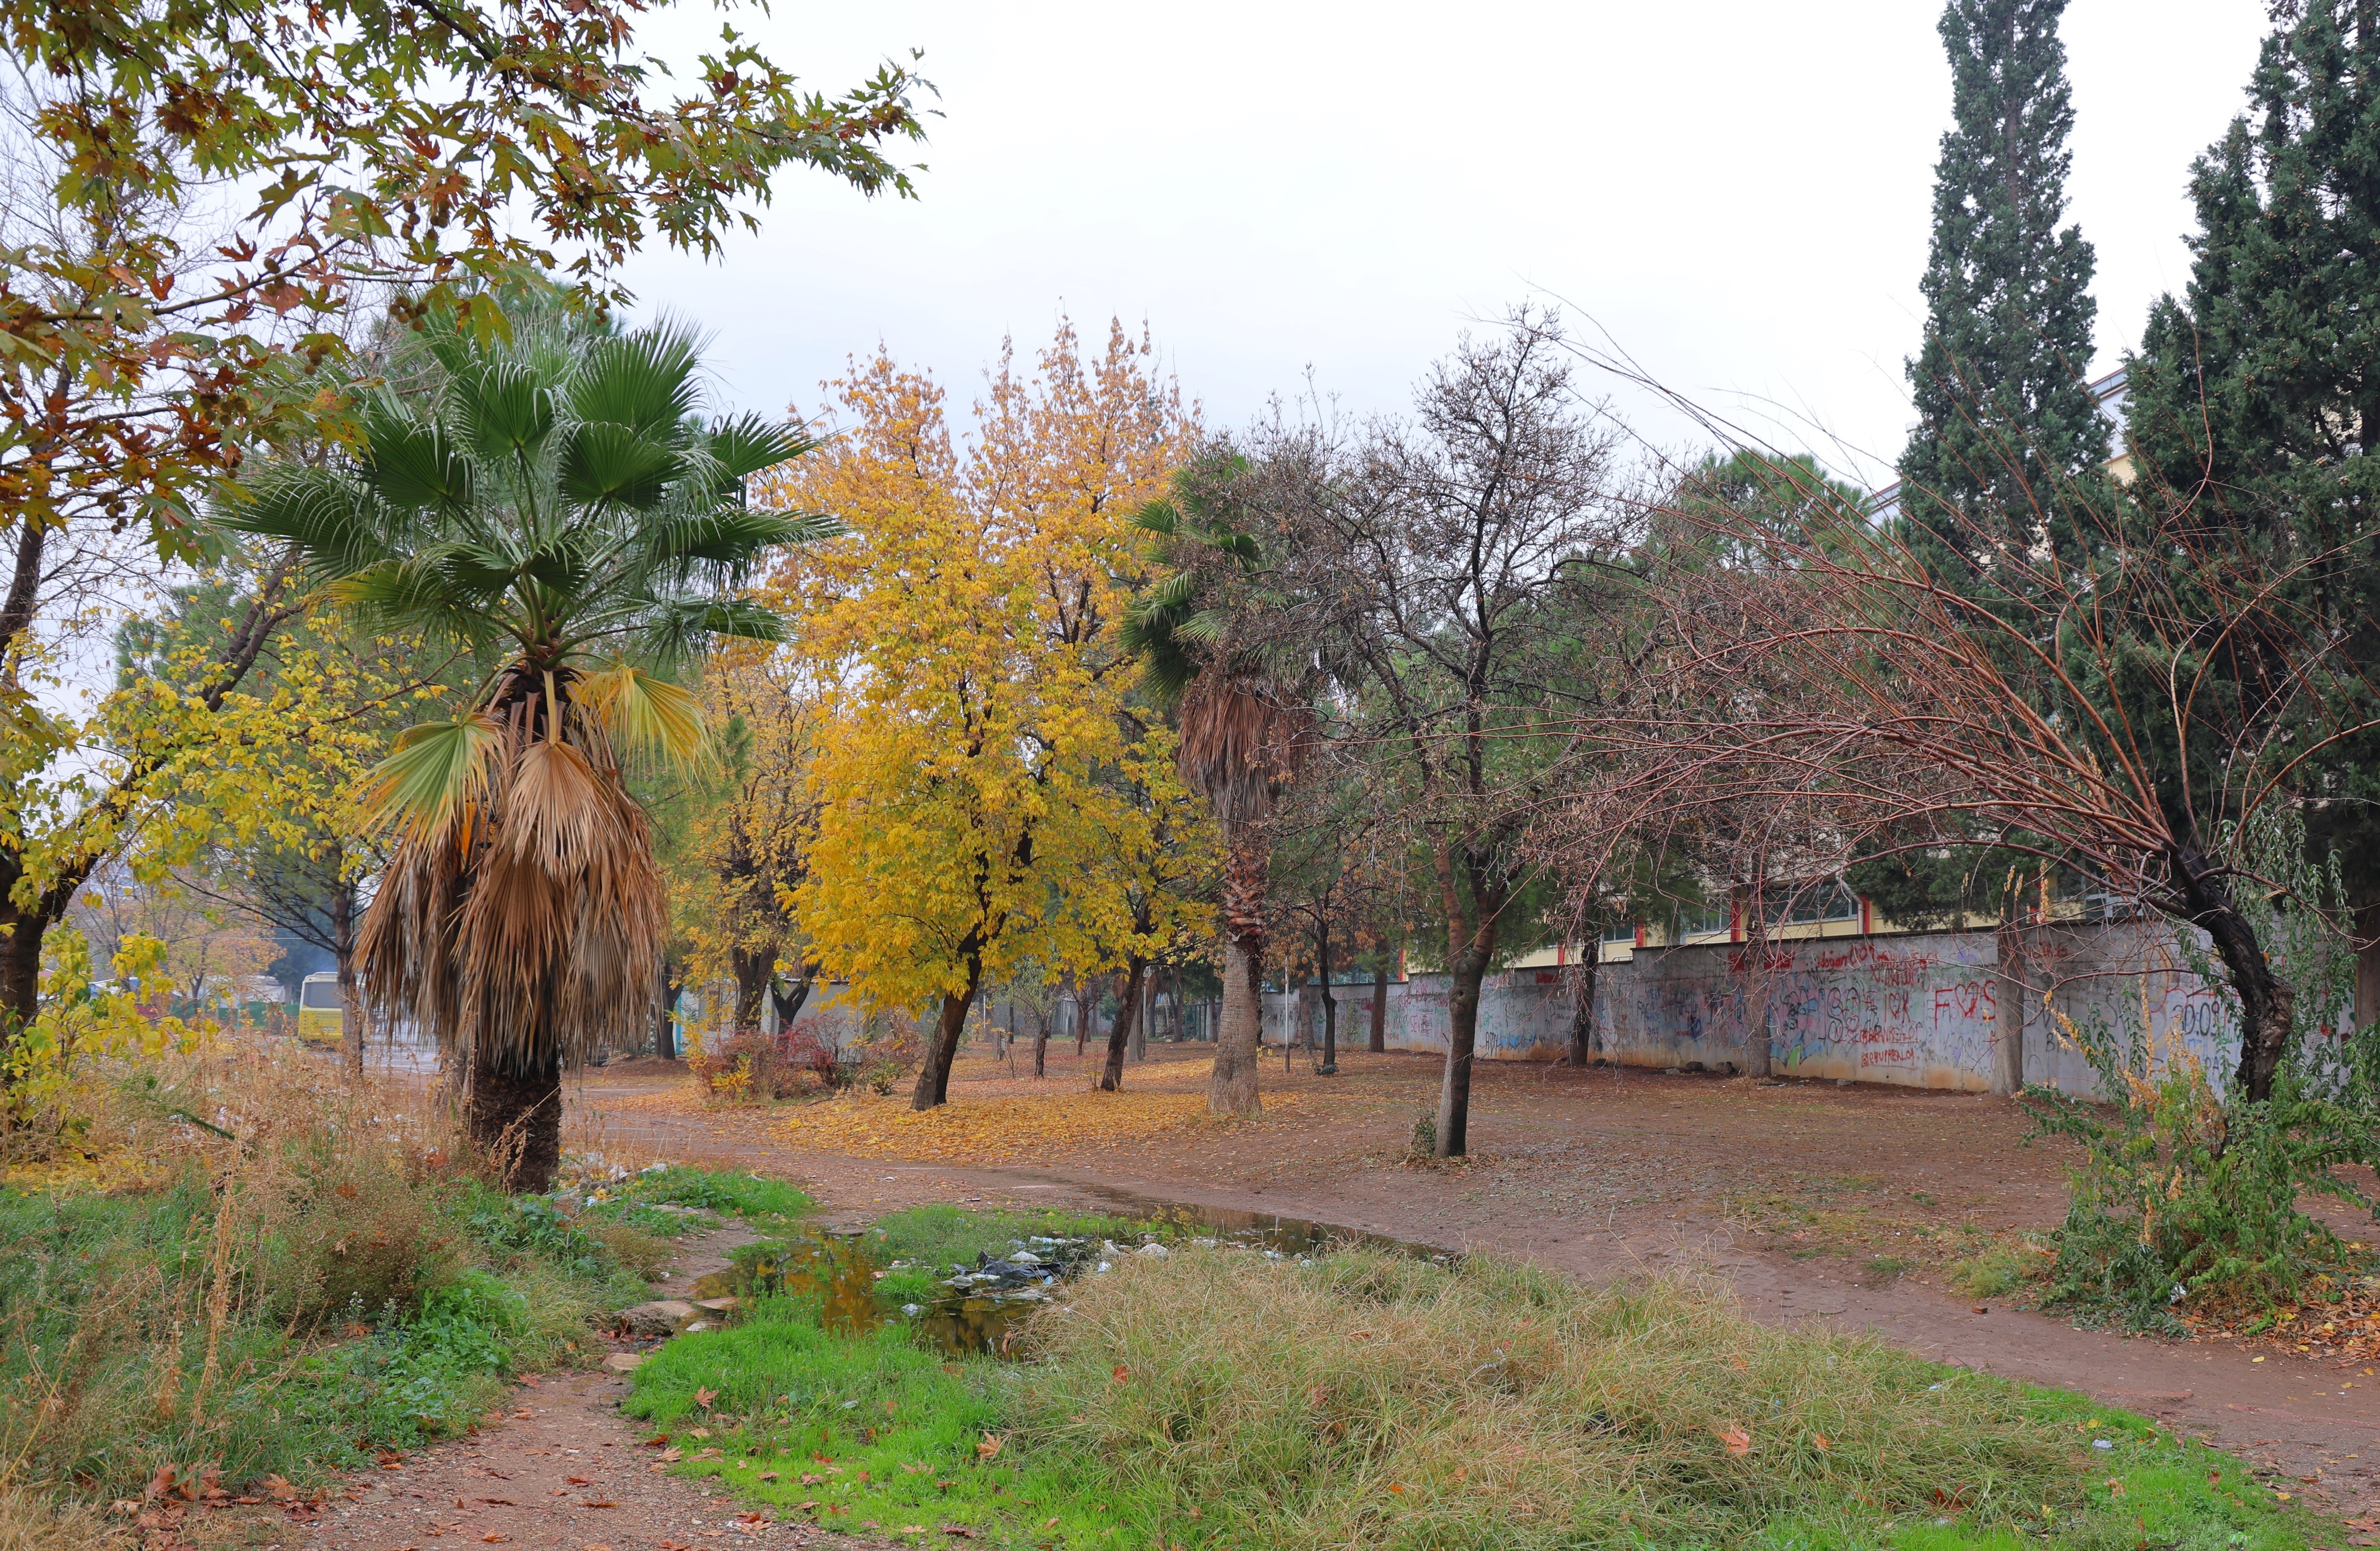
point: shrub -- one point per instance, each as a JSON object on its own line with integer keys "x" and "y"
{"x": 2188, "y": 1194}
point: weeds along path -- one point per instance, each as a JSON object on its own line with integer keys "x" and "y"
{"x": 1837, "y": 1205}
{"x": 559, "y": 1471}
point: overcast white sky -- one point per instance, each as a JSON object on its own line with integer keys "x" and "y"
{"x": 1737, "y": 190}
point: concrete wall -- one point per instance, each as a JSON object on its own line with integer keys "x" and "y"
{"x": 1921, "y": 1010}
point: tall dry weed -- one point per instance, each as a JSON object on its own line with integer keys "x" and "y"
{"x": 167, "y": 1286}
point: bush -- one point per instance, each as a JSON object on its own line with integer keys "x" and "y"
{"x": 2186, "y": 1194}
{"x": 2183, "y": 1197}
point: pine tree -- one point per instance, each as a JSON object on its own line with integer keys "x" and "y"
{"x": 2005, "y": 420}
{"x": 2249, "y": 398}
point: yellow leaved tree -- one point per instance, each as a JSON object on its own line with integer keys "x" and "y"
{"x": 993, "y": 791}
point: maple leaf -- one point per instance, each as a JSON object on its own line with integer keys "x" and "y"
{"x": 1737, "y": 1441}
{"x": 1121, "y": 1372}
{"x": 704, "y": 1396}
{"x": 1820, "y": 1439}
{"x": 991, "y": 1446}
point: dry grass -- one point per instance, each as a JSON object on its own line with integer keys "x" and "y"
{"x": 30, "y": 1521}
{"x": 1380, "y": 1400}
{"x": 170, "y": 1281}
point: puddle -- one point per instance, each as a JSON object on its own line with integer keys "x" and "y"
{"x": 982, "y": 1308}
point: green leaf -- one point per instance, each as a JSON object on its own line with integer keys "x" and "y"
{"x": 614, "y": 464}
{"x": 432, "y": 775}
{"x": 643, "y": 714}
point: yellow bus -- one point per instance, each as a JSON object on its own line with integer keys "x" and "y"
{"x": 322, "y": 1011}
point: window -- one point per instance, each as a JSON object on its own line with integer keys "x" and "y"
{"x": 1830, "y": 901}
{"x": 323, "y": 996}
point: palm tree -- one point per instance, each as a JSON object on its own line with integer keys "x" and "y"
{"x": 1244, "y": 731}
{"x": 556, "y": 502}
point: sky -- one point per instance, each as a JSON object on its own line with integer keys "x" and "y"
{"x": 1736, "y": 193}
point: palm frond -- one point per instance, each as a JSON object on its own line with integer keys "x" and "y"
{"x": 431, "y": 776}
{"x": 643, "y": 381}
{"x": 330, "y": 521}
{"x": 412, "y": 464}
{"x": 604, "y": 464}
{"x": 646, "y": 715}
{"x": 504, "y": 406}
{"x": 748, "y": 444}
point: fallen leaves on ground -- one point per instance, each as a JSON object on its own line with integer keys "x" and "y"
{"x": 1007, "y": 1126}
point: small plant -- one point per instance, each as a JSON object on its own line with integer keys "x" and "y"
{"x": 2188, "y": 1195}
{"x": 1425, "y": 1137}
{"x": 2002, "y": 1268}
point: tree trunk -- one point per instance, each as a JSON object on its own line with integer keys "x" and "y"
{"x": 665, "y": 1028}
{"x": 1137, "y": 1047}
{"x": 789, "y": 1004}
{"x": 2267, "y": 1004}
{"x": 752, "y": 971}
{"x": 1754, "y": 909}
{"x": 351, "y": 1000}
{"x": 934, "y": 1074}
{"x": 1127, "y": 1020}
{"x": 514, "y": 1121}
{"x": 1379, "y": 1041}
{"x": 1232, "y": 1089}
{"x": 1582, "y": 1010}
{"x": 2008, "y": 1013}
{"x": 1462, "y": 1039}
{"x": 1330, "y": 1003}
{"x": 1042, "y": 1045}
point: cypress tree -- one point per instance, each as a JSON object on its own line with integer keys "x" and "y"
{"x": 2005, "y": 420}
{"x": 2249, "y": 398}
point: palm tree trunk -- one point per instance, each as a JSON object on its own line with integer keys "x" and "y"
{"x": 1231, "y": 1090}
{"x": 515, "y": 1120}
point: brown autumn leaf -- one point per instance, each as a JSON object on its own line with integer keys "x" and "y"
{"x": 1820, "y": 1439}
{"x": 704, "y": 1396}
{"x": 991, "y": 1446}
{"x": 1121, "y": 1372}
{"x": 672, "y": 1454}
{"x": 1737, "y": 1441}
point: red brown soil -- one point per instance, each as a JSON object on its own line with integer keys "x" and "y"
{"x": 560, "y": 1471}
{"x": 1795, "y": 1191}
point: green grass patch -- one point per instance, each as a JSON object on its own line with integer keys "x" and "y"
{"x": 1215, "y": 1399}
{"x": 919, "y": 1244}
{"x": 297, "y": 1315}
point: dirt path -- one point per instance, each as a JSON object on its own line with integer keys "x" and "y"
{"x": 560, "y": 1470}
{"x": 1838, "y": 1206}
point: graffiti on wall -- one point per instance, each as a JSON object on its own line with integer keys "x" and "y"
{"x": 1917, "y": 1009}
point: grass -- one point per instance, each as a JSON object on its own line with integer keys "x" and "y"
{"x": 921, "y": 1243}
{"x": 289, "y": 1303}
{"x": 1215, "y": 1399}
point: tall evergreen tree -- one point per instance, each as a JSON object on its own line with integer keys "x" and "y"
{"x": 2249, "y": 398}
{"x": 2005, "y": 420}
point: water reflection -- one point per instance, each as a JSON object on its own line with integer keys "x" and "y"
{"x": 981, "y": 1309}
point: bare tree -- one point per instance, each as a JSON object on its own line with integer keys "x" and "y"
{"x": 2125, "y": 702}
{"x": 1466, "y": 557}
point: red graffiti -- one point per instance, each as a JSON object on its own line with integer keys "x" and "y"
{"x": 1969, "y": 999}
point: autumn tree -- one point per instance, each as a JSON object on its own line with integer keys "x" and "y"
{"x": 198, "y": 200}
{"x": 742, "y": 851}
{"x": 977, "y": 766}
